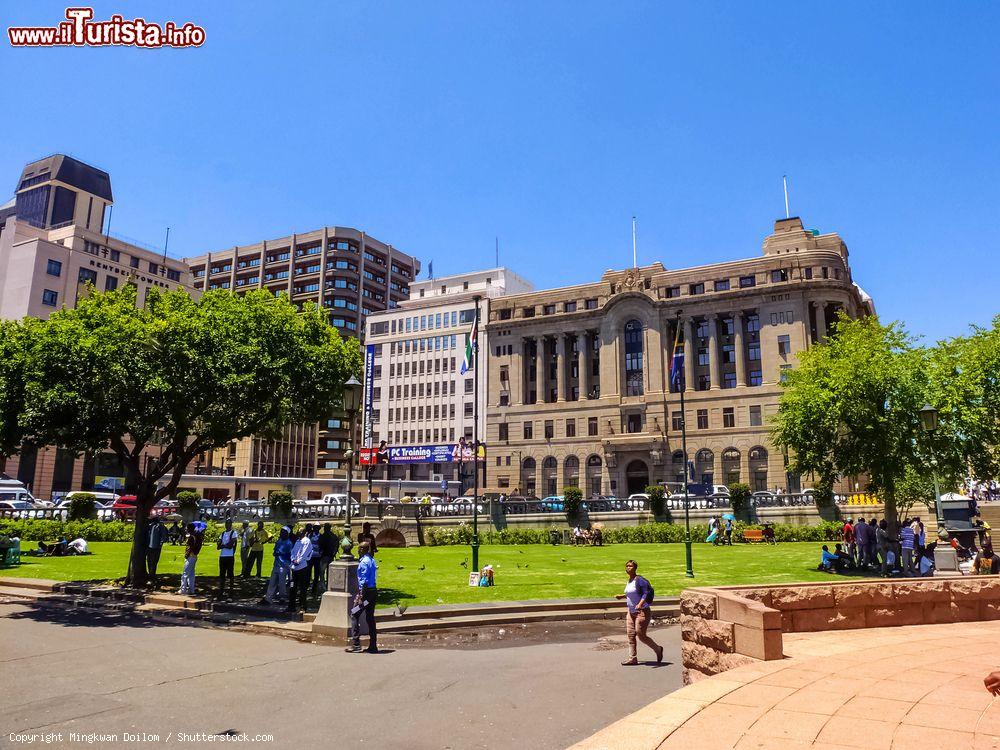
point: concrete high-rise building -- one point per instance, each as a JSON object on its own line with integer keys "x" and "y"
{"x": 420, "y": 396}
{"x": 580, "y": 391}
{"x": 344, "y": 270}
{"x": 53, "y": 244}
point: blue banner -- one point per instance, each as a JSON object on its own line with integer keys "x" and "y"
{"x": 433, "y": 454}
{"x": 366, "y": 439}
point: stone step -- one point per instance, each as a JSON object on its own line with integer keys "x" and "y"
{"x": 400, "y": 625}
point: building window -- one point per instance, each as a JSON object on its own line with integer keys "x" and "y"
{"x": 728, "y": 354}
{"x": 590, "y": 304}
{"x": 110, "y": 283}
{"x": 702, "y": 331}
{"x": 503, "y": 434}
{"x": 468, "y": 409}
{"x": 549, "y": 429}
{"x": 528, "y": 431}
{"x": 722, "y": 285}
{"x": 753, "y": 352}
{"x": 755, "y": 418}
{"x": 49, "y": 298}
{"x": 549, "y": 310}
{"x": 569, "y": 307}
{"x": 702, "y": 419}
{"x": 570, "y": 428}
{"x": 673, "y": 291}
{"x": 54, "y": 268}
{"x": 779, "y": 274}
{"x": 633, "y": 358}
{"x": 729, "y": 380}
{"x": 676, "y": 421}
{"x": 633, "y": 423}
{"x": 755, "y": 378}
{"x": 703, "y": 356}
{"x": 704, "y": 382}
{"x": 696, "y": 289}
{"x": 785, "y": 370}
{"x": 784, "y": 346}
{"x": 504, "y": 314}
{"x": 753, "y": 324}
{"x": 87, "y": 276}
{"x": 747, "y": 281}
{"x": 592, "y": 426}
{"x": 728, "y": 417}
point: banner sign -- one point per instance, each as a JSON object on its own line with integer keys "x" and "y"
{"x": 366, "y": 438}
{"x": 421, "y": 454}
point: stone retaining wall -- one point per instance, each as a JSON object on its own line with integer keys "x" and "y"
{"x": 726, "y": 627}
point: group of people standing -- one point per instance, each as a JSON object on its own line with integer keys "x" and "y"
{"x": 720, "y": 531}
{"x": 868, "y": 545}
{"x": 301, "y": 560}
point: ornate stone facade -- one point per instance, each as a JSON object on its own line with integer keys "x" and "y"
{"x": 579, "y": 377}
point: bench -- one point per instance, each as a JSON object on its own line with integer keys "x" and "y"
{"x": 753, "y": 536}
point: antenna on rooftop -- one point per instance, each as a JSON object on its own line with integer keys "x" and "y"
{"x": 165, "y": 243}
{"x": 784, "y": 184}
{"x": 635, "y": 263}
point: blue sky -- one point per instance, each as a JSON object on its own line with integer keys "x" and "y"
{"x": 439, "y": 126}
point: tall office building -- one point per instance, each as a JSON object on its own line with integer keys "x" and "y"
{"x": 53, "y": 243}
{"x": 581, "y": 395}
{"x": 420, "y": 396}
{"x": 346, "y": 271}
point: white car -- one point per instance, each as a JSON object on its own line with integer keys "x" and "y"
{"x": 637, "y": 501}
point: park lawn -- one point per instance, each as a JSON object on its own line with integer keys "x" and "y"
{"x": 434, "y": 575}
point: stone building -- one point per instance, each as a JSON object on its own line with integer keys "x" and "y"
{"x": 580, "y": 391}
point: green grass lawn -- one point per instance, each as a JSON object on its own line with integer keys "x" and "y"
{"x": 432, "y": 575}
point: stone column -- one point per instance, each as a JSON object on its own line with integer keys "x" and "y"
{"x": 741, "y": 365}
{"x": 334, "y": 615}
{"x": 560, "y": 367}
{"x": 540, "y": 385}
{"x": 523, "y": 363}
{"x": 690, "y": 353}
{"x": 583, "y": 364}
{"x": 820, "y": 321}
{"x": 713, "y": 351}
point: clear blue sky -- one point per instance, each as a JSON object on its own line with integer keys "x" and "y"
{"x": 438, "y": 126}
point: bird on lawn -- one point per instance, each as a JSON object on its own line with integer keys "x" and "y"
{"x": 399, "y": 567}
{"x": 563, "y": 559}
{"x": 422, "y": 567}
{"x": 465, "y": 563}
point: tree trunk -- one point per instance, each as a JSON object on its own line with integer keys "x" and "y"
{"x": 891, "y": 516}
{"x": 138, "y": 576}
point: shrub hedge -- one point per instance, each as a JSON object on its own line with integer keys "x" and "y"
{"x": 93, "y": 531}
{"x": 647, "y": 533}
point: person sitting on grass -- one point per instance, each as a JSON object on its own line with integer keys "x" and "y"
{"x": 927, "y": 560}
{"x": 597, "y": 537}
{"x": 768, "y": 534}
{"x": 829, "y": 561}
{"x": 56, "y": 549}
{"x": 844, "y": 560}
{"x": 77, "y": 547}
{"x": 578, "y": 536}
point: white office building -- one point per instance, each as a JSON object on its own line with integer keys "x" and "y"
{"x": 419, "y": 394}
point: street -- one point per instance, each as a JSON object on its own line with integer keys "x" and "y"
{"x": 100, "y": 674}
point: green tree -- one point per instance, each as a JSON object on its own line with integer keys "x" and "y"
{"x": 739, "y": 498}
{"x": 177, "y": 375}
{"x": 14, "y": 335}
{"x": 852, "y": 407}
{"x": 965, "y": 388}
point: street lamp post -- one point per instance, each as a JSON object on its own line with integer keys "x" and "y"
{"x": 352, "y": 397}
{"x": 945, "y": 558}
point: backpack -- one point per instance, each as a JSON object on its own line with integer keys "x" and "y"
{"x": 650, "y": 599}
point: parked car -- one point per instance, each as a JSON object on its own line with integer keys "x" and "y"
{"x": 12, "y": 490}
{"x": 637, "y": 501}
{"x": 553, "y": 503}
{"x": 16, "y": 508}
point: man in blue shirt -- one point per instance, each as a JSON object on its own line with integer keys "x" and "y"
{"x": 282, "y": 563}
{"x": 364, "y": 601}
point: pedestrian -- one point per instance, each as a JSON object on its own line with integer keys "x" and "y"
{"x": 258, "y": 538}
{"x": 154, "y": 546}
{"x": 861, "y": 531}
{"x": 301, "y": 555}
{"x": 327, "y": 544}
{"x": 245, "y": 533}
{"x": 729, "y": 532}
{"x": 638, "y": 595}
{"x": 315, "y": 565}
{"x": 364, "y": 601}
{"x": 227, "y": 557}
{"x": 848, "y": 536}
{"x": 279, "y": 572}
{"x": 191, "y": 550}
{"x": 906, "y": 542}
{"x": 986, "y": 562}
{"x": 367, "y": 536}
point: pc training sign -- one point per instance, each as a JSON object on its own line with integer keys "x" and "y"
{"x": 366, "y": 439}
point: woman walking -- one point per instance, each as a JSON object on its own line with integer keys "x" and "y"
{"x": 639, "y": 595}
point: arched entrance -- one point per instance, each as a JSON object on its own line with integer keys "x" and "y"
{"x": 594, "y": 464}
{"x": 390, "y": 538}
{"x": 549, "y": 469}
{"x": 528, "y": 477}
{"x": 636, "y": 476}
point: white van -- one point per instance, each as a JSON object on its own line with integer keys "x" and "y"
{"x": 14, "y": 491}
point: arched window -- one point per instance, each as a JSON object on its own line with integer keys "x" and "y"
{"x": 550, "y": 463}
{"x": 571, "y": 472}
{"x": 528, "y": 484}
{"x": 704, "y": 466}
{"x": 549, "y": 466}
{"x": 633, "y": 358}
{"x": 594, "y": 465}
{"x": 731, "y": 465}
{"x": 758, "y": 467}
{"x": 758, "y": 453}
{"x": 529, "y": 463}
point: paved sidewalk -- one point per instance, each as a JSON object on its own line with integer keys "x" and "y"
{"x": 877, "y": 689}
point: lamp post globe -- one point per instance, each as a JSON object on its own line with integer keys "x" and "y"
{"x": 352, "y": 399}
{"x": 929, "y": 418}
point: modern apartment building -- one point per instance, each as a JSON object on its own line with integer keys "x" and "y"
{"x": 346, "y": 271}
{"x": 420, "y": 396}
{"x": 579, "y": 386}
{"x": 53, "y": 244}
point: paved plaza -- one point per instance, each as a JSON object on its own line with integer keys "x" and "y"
{"x": 878, "y": 689}
{"x": 86, "y": 671}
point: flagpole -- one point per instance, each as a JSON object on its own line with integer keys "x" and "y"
{"x": 475, "y": 439}
{"x": 684, "y": 449}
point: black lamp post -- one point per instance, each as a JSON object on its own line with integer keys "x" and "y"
{"x": 352, "y": 399}
{"x": 929, "y": 421}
